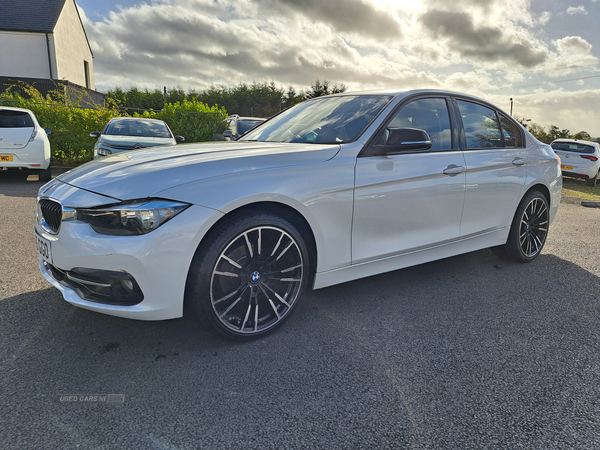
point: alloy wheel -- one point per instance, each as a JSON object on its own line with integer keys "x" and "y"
{"x": 256, "y": 280}
{"x": 534, "y": 227}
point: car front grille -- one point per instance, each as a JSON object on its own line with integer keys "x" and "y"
{"x": 126, "y": 147}
{"x": 51, "y": 214}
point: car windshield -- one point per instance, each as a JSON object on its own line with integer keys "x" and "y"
{"x": 573, "y": 147}
{"x": 323, "y": 120}
{"x": 139, "y": 127}
{"x": 245, "y": 125}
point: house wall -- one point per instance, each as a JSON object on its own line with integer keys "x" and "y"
{"x": 72, "y": 48}
{"x": 24, "y": 55}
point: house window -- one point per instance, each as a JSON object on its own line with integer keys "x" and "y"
{"x": 86, "y": 69}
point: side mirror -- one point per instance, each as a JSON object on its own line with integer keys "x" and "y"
{"x": 95, "y": 134}
{"x": 228, "y": 134}
{"x": 179, "y": 139}
{"x": 48, "y": 131}
{"x": 403, "y": 139}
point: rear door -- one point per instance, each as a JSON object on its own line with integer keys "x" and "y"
{"x": 16, "y": 128}
{"x": 496, "y": 160}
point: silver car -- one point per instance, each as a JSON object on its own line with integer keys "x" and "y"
{"x": 333, "y": 189}
{"x": 132, "y": 133}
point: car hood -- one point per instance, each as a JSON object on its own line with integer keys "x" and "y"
{"x": 130, "y": 141}
{"x": 146, "y": 172}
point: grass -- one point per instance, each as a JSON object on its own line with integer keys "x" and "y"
{"x": 576, "y": 188}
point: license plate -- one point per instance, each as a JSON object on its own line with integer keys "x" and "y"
{"x": 6, "y": 158}
{"x": 44, "y": 248}
{"x": 563, "y": 167}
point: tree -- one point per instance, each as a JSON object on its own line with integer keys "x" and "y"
{"x": 319, "y": 89}
{"x": 555, "y": 133}
{"x": 583, "y": 135}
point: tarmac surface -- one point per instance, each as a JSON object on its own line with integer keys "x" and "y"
{"x": 471, "y": 352}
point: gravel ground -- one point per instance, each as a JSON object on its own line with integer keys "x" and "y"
{"x": 471, "y": 352}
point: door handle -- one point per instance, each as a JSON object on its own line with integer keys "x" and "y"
{"x": 519, "y": 161}
{"x": 453, "y": 169}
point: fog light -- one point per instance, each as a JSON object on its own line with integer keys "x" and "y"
{"x": 127, "y": 285}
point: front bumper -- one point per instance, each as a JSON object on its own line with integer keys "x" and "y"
{"x": 158, "y": 262}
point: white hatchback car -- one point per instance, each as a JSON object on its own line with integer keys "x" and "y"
{"x": 580, "y": 159}
{"x": 333, "y": 189}
{"x": 23, "y": 142}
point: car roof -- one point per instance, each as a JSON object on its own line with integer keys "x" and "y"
{"x": 12, "y": 108}
{"x": 129, "y": 119}
{"x": 577, "y": 141}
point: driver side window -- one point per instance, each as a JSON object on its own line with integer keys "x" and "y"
{"x": 429, "y": 114}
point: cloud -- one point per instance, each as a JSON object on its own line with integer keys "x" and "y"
{"x": 575, "y": 111}
{"x": 202, "y": 42}
{"x": 349, "y": 16}
{"x": 576, "y": 10}
{"x": 484, "y": 44}
{"x": 475, "y": 46}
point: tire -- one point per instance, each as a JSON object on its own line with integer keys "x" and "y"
{"x": 45, "y": 174}
{"x": 528, "y": 230}
{"x": 592, "y": 181}
{"x": 247, "y": 276}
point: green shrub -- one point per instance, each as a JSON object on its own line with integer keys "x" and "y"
{"x": 193, "y": 120}
{"x": 71, "y": 124}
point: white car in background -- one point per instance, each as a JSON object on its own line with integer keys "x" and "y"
{"x": 123, "y": 134}
{"x": 23, "y": 142}
{"x": 580, "y": 159}
{"x": 333, "y": 189}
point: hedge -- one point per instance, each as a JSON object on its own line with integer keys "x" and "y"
{"x": 71, "y": 124}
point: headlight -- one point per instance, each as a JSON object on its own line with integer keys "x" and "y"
{"x": 131, "y": 219}
{"x": 104, "y": 152}
{"x": 104, "y": 143}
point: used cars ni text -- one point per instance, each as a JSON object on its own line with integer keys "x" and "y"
{"x": 24, "y": 143}
{"x": 331, "y": 190}
{"x": 132, "y": 133}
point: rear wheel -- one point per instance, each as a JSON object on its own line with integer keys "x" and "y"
{"x": 45, "y": 174}
{"x": 246, "y": 279}
{"x": 528, "y": 231}
{"x": 592, "y": 181}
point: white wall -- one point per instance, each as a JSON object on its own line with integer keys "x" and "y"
{"x": 24, "y": 55}
{"x": 72, "y": 48}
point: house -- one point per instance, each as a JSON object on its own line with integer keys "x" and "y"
{"x": 44, "y": 41}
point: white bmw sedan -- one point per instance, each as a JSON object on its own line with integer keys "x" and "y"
{"x": 333, "y": 189}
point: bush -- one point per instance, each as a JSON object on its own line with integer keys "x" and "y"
{"x": 72, "y": 124}
{"x": 193, "y": 120}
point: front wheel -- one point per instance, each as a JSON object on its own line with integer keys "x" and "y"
{"x": 528, "y": 231}
{"x": 247, "y": 276}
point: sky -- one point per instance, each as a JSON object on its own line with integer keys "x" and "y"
{"x": 544, "y": 54}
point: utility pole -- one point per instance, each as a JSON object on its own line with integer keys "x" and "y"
{"x": 511, "y": 103}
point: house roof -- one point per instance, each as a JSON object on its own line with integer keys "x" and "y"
{"x": 37, "y": 16}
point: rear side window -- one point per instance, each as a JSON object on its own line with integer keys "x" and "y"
{"x": 15, "y": 119}
{"x": 572, "y": 147}
{"x": 481, "y": 125}
{"x": 511, "y": 133}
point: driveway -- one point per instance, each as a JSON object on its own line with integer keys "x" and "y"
{"x": 470, "y": 352}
